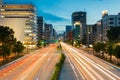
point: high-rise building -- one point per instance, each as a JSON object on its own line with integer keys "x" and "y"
{"x": 68, "y": 29}
{"x": 64, "y": 36}
{"x": 99, "y": 31}
{"x": 94, "y": 31}
{"x": 77, "y": 31}
{"x": 89, "y": 34}
{"x": 40, "y": 23}
{"x": 22, "y": 19}
{"x": 48, "y": 32}
{"x": 1, "y": 2}
{"x": 54, "y": 34}
{"x": 79, "y": 19}
{"x": 109, "y": 21}
{"x": 70, "y": 36}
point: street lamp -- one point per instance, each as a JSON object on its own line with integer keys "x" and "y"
{"x": 88, "y": 38}
{"x": 100, "y": 37}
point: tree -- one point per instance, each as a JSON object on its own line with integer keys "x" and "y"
{"x": 110, "y": 51}
{"x": 6, "y": 34}
{"x": 103, "y": 48}
{"x": 114, "y": 34}
{"x": 100, "y": 47}
{"x": 5, "y": 51}
{"x": 117, "y": 51}
{"x": 96, "y": 47}
{"x": 18, "y": 47}
{"x": 6, "y": 40}
{"x": 39, "y": 44}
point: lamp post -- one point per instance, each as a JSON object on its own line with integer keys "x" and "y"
{"x": 79, "y": 40}
{"x": 88, "y": 38}
{"x": 100, "y": 37}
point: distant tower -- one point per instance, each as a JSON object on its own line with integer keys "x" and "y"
{"x": 40, "y": 23}
{"x": 79, "y": 18}
{"x": 68, "y": 29}
{"x": 0, "y": 2}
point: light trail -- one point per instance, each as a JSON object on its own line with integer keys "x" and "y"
{"x": 92, "y": 68}
{"x": 28, "y": 67}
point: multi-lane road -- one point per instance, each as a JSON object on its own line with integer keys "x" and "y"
{"x": 35, "y": 66}
{"x": 40, "y": 65}
{"x": 88, "y": 67}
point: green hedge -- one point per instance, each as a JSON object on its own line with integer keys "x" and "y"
{"x": 58, "y": 67}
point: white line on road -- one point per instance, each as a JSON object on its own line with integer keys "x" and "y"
{"x": 73, "y": 68}
{"x": 98, "y": 66}
{"x": 37, "y": 78}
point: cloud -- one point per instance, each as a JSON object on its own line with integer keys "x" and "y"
{"x": 51, "y": 17}
{"x": 17, "y": 1}
{"x": 47, "y": 16}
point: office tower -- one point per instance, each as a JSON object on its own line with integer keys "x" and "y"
{"x": 109, "y": 21}
{"x": 48, "y": 32}
{"x": 1, "y": 2}
{"x": 40, "y": 23}
{"x": 77, "y": 31}
{"x": 54, "y": 34}
{"x": 89, "y": 35}
{"x": 79, "y": 19}
{"x": 99, "y": 31}
{"x": 94, "y": 33}
{"x": 22, "y": 19}
{"x": 68, "y": 29}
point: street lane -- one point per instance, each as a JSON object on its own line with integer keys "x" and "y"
{"x": 89, "y": 67}
{"x": 32, "y": 66}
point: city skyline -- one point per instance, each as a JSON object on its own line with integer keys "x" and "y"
{"x": 59, "y": 40}
{"x": 59, "y": 12}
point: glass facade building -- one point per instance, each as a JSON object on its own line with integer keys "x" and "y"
{"x": 22, "y": 19}
{"x": 79, "y": 18}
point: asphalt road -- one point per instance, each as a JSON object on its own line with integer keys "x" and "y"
{"x": 35, "y": 66}
{"x": 88, "y": 67}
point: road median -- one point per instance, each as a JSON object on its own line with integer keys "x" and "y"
{"x": 58, "y": 67}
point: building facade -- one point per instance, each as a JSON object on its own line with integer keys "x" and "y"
{"x": 40, "y": 23}
{"x": 109, "y": 21}
{"x": 77, "y": 31}
{"x": 89, "y": 34}
{"x": 92, "y": 34}
{"x": 68, "y": 29}
{"x": 54, "y": 34}
{"x": 79, "y": 18}
{"x": 48, "y": 32}
{"x": 99, "y": 32}
{"x": 22, "y": 19}
{"x": 70, "y": 36}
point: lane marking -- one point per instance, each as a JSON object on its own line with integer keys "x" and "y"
{"x": 73, "y": 68}
{"x": 98, "y": 66}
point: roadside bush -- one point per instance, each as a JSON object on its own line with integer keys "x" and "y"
{"x": 58, "y": 67}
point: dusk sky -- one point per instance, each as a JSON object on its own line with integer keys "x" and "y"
{"x": 58, "y": 12}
